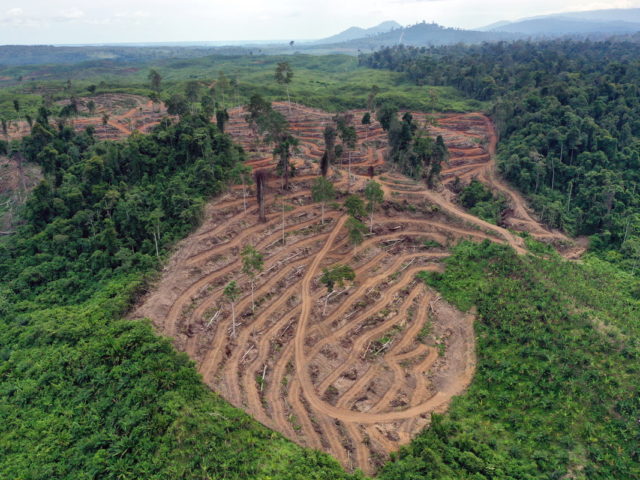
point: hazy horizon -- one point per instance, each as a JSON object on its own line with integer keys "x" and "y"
{"x": 68, "y": 22}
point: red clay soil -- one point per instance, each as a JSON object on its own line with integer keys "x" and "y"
{"x": 361, "y": 378}
{"x": 127, "y": 113}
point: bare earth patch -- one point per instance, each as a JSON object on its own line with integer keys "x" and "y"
{"x": 362, "y": 379}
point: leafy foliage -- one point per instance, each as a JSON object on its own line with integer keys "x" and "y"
{"x": 481, "y": 201}
{"x": 567, "y": 114}
{"x": 411, "y": 148}
{"x": 84, "y": 393}
{"x": 555, "y": 392}
{"x": 337, "y": 276}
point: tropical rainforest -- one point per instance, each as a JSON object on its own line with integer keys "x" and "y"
{"x": 86, "y": 393}
{"x": 567, "y": 115}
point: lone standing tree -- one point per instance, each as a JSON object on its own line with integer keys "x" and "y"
{"x": 286, "y": 145}
{"x": 105, "y": 121}
{"x": 329, "y": 155}
{"x": 366, "y": 120}
{"x": 335, "y": 276}
{"x": 356, "y": 230}
{"x": 261, "y": 184}
{"x": 222, "y": 116}
{"x": 155, "y": 80}
{"x": 284, "y": 75}
{"x": 348, "y": 135}
{"x": 322, "y": 191}
{"x": 232, "y": 292}
{"x": 252, "y": 263}
{"x": 375, "y": 196}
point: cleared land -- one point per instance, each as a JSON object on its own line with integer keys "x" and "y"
{"x": 126, "y": 113}
{"x": 362, "y": 377}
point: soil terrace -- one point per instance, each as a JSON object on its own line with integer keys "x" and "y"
{"x": 126, "y": 114}
{"x": 362, "y": 378}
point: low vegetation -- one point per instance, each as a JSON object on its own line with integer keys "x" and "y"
{"x": 567, "y": 113}
{"x": 555, "y": 393}
{"x": 83, "y": 392}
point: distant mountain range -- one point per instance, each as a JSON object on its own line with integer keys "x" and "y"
{"x": 597, "y": 24}
{"x": 354, "y": 33}
{"x": 613, "y": 22}
{"x": 391, "y": 33}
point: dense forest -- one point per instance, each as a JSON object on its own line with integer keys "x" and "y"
{"x": 567, "y": 114}
{"x": 556, "y": 390}
{"x": 84, "y": 393}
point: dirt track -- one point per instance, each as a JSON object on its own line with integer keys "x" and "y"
{"x": 361, "y": 380}
{"x": 127, "y": 113}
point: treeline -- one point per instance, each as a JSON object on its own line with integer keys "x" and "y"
{"x": 411, "y": 148}
{"x": 555, "y": 393}
{"x": 106, "y": 206}
{"x": 568, "y": 114}
{"x": 83, "y": 392}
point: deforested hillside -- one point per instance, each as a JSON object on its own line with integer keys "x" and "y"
{"x": 357, "y": 370}
{"x": 216, "y": 278}
{"x": 567, "y": 116}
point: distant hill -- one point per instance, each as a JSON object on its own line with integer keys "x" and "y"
{"x": 613, "y": 21}
{"x": 357, "y": 32}
{"x": 12, "y": 55}
{"x": 421, "y": 34}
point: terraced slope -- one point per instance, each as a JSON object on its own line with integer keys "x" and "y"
{"x": 126, "y": 113}
{"x": 355, "y": 373}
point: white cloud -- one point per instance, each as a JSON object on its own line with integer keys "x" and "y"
{"x": 72, "y": 13}
{"x": 70, "y": 21}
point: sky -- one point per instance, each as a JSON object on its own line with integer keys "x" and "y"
{"x": 76, "y": 22}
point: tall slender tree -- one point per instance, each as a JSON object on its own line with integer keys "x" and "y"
{"x": 329, "y": 156}
{"x": 374, "y": 194}
{"x": 260, "y": 177}
{"x": 231, "y": 291}
{"x": 366, "y": 120}
{"x": 155, "y": 80}
{"x": 286, "y": 146}
{"x": 252, "y": 263}
{"x": 284, "y": 75}
{"x": 348, "y": 135}
{"x": 335, "y": 276}
{"x": 222, "y": 116}
{"x": 322, "y": 191}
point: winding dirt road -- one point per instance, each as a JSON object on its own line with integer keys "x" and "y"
{"x": 362, "y": 378}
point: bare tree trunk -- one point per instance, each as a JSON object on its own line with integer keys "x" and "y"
{"x": 253, "y": 303}
{"x": 23, "y": 184}
{"x": 260, "y": 186}
{"x": 322, "y": 215}
{"x": 371, "y": 223}
{"x": 264, "y": 373}
{"x": 289, "y": 99}
{"x": 283, "y": 241}
{"x": 286, "y": 171}
{"x": 233, "y": 319}
{"x": 349, "y": 183}
{"x": 263, "y": 217}
{"x": 244, "y": 194}
{"x": 155, "y": 240}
